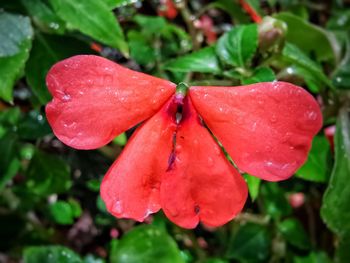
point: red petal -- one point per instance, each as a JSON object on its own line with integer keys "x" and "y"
{"x": 95, "y": 99}
{"x": 130, "y": 188}
{"x": 267, "y": 128}
{"x": 201, "y": 185}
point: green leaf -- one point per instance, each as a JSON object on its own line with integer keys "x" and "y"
{"x": 10, "y": 116}
{"x": 233, "y": 8}
{"x": 343, "y": 253}
{"x": 253, "y": 185}
{"x": 93, "y": 184}
{"x": 262, "y": 74}
{"x": 251, "y": 243}
{"x": 238, "y": 46}
{"x": 121, "y": 139}
{"x": 147, "y": 244}
{"x": 98, "y": 21}
{"x": 275, "y": 202}
{"x": 140, "y": 48}
{"x": 15, "y": 41}
{"x": 341, "y": 77}
{"x": 62, "y": 213}
{"x": 93, "y": 259}
{"x": 316, "y": 168}
{"x": 326, "y": 48}
{"x": 203, "y": 60}
{"x": 33, "y": 125}
{"x": 294, "y": 55}
{"x": 112, "y": 4}
{"x": 50, "y": 254}
{"x": 44, "y": 17}
{"x": 313, "y": 257}
{"x": 151, "y": 24}
{"x": 340, "y": 20}
{"x": 8, "y": 146}
{"x": 335, "y": 209}
{"x": 47, "y": 174}
{"x": 46, "y": 51}
{"x": 293, "y": 231}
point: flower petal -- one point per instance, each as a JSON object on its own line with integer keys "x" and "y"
{"x": 130, "y": 189}
{"x": 95, "y": 99}
{"x": 267, "y": 128}
{"x": 200, "y": 185}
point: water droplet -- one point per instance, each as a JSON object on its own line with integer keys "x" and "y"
{"x": 311, "y": 115}
{"x": 221, "y": 109}
{"x": 54, "y": 25}
{"x": 118, "y": 209}
{"x": 66, "y": 97}
{"x": 254, "y": 126}
{"x": 69, "y": 125}
{"x": 40, "y": 117}
{"x": 290, "y": 70}
{"x": 210, "y": 162}
{"x": 273, "y": 119}
{"x": 338, "y": 79}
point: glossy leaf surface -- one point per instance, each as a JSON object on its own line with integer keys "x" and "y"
{"x": 147, "y": 244}
{"x": 337, "y": 195}
{"x": 15, "y": 42}
{"x": 99, "y": 22}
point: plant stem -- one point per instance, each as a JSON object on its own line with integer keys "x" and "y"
{"x": 251, "y": 11}
{"x": 188, "y": 18}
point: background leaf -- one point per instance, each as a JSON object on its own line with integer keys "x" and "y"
{"x": 16, "y": 34}
{"x": 99, "y": 22}
{"x": 203, "y": 60}
{"x": 147, "y": 244}
{"x": 326, "y": 48}
{"x": 238, "y": 46}
{"x": 50, "y": 254}
{"x": 335, "y": 208}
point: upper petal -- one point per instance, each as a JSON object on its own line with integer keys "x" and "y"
{"x": 95, "y": 99}
{"x": 267, "y": 128}
{"x": 200, "y": 185}
{"x": 130, "y": 189}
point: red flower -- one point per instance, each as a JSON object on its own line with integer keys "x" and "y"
{"x": 205, "y": 23}
{"x": 167, "y": 9}
{"x": 174, "y": 162}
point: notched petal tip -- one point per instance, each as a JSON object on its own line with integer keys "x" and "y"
{"x": 267, "y": 128}
{"x": 95, "y": 99}
{"x": 202, "y": 185}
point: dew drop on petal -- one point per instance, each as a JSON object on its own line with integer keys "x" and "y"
{"x": 210, "y": 162}
{"x": 273, "y": 119}
{"x": 118, "y": 207}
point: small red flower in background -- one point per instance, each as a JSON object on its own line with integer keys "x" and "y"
{"x": 205, "y": 23}
{"x": 167, "y": 9}
{"x": 172, "y": 161}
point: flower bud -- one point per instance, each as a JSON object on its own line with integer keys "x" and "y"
{"x": 272, "y": 34}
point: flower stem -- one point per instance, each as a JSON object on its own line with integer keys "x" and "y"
{"x": 251, "y": 11}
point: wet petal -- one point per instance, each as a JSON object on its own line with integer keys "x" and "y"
{"x": 201, "y": 185}
{"x": 267, "y": 128}
{"x": 130, "y": 189}
{"x": 95, "y": 99}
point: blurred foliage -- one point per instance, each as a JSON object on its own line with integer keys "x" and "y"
{"x": 50, "y": 209}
